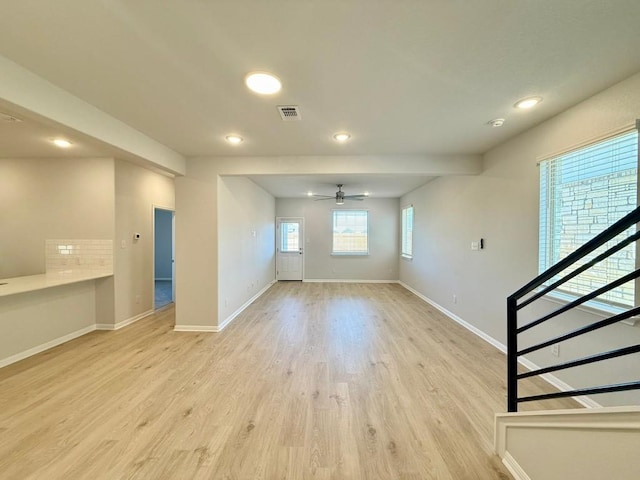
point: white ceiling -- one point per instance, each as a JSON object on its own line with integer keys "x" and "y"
{"x": 403, "y": 76}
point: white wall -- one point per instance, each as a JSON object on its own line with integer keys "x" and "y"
{"x": 51, "y": 198}
{"x": 197, "y": 246}
{"x": 137, "y": 190}
{"x": 501, "y": 206}
{"x": 246, "y": 242}
{"x": 382, "y": 261}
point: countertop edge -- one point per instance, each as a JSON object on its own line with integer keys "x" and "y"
{"x": 32, "y": 283}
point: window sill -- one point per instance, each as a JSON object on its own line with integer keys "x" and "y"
{"x": 593, "y": 306}
{"x": 406, "y": 257}
{"x": 349, "y": 254}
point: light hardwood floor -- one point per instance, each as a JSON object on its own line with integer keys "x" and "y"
{"x": 314, "y": 380}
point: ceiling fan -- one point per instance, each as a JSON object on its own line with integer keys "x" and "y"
{"x": 340, "y": 197}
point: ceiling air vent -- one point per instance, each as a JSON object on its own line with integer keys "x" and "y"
{"x": 5, "y": 117}
{"x": 289, "y": 113}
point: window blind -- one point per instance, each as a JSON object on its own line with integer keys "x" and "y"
{"x": 582, "y": 193}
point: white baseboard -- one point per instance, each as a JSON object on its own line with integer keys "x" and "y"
{"x": 514, "y": 467}
{"x": 341, "y": 280}
{"x": 195, "y": 328}
{"x": 549, "y": 378}
{"x": 123, "y": 323}
{"x": 228, "y": 320}
{"x": 457, "y": 319}
{"x": 45, "y": 346}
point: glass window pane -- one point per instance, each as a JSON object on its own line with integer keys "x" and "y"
{"x": 351, "y": 231}
{"x": 581, "y": 194}
{"x": 407, "y": 232}
{"x": 289, "y": 237}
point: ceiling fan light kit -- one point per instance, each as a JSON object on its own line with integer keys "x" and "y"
{"x": 340, "y": 197}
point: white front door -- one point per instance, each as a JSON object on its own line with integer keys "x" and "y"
{"x": 289, "y": 248}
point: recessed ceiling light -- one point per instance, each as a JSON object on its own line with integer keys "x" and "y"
{"x": 61, "y": 142}
{"x": 341, "y": 137}
{"x": 309, "y": 194}
{"x": 263, "y": 83}
{"x": 528, "y": 102}
{"x": 366, "y": 194}
{"x": 234, "y": 139}
{"x": 496, "y": 122}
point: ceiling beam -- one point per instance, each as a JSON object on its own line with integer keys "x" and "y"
{"x": 432, "y": 165}
{"x": 45, "y": 101}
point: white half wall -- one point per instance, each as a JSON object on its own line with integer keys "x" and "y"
{"x": 501, "y": 206}
{"x": 33, "y": 322}
{"x": 246, "y": 243}
{"x": 566, "y": 444}
{"x": 382, "y": 261}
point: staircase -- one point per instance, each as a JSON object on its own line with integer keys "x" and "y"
{"x": 584, "y": 444}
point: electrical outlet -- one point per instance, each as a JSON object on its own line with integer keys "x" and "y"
{"x": 455, "y": 299}
{"x": 137, "y": 298}
{"x": 555, "y": 349}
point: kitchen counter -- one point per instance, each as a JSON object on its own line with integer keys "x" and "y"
{"x": 32, "y": 283}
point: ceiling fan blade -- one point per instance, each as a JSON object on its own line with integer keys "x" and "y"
{"x": 324, "y": 198}
{"x": 354, "y": 198}
{"x": 360, "y": 196}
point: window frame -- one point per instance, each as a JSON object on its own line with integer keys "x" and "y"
{"x": 404, "y": 231}
{"x": 598, "y": 305}
{"x": 333, "y": 221}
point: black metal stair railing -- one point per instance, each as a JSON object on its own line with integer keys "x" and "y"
{"x": 524, "y": 297}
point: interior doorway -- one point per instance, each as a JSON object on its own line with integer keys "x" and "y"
{"x": 164, "y": 267}
{"x": 289, "y": 248}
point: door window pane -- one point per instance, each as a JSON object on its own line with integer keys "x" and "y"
{"x": 290, "y": 237}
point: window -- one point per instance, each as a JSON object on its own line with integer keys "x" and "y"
{"x": 350, "y": 232}
{"x": 289, "y": 237}
{"x": 407, "y": 232}
{"x": 582, "y": 192}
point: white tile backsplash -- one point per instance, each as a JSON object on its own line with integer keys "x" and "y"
{"x": 79, "y": 254}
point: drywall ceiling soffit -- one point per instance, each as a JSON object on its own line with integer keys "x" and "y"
{"x": 378, "y": 186}
{"x": 32, "y": 139}
{"x": 404, "y": 77}
{"x": 31, "y": 136}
